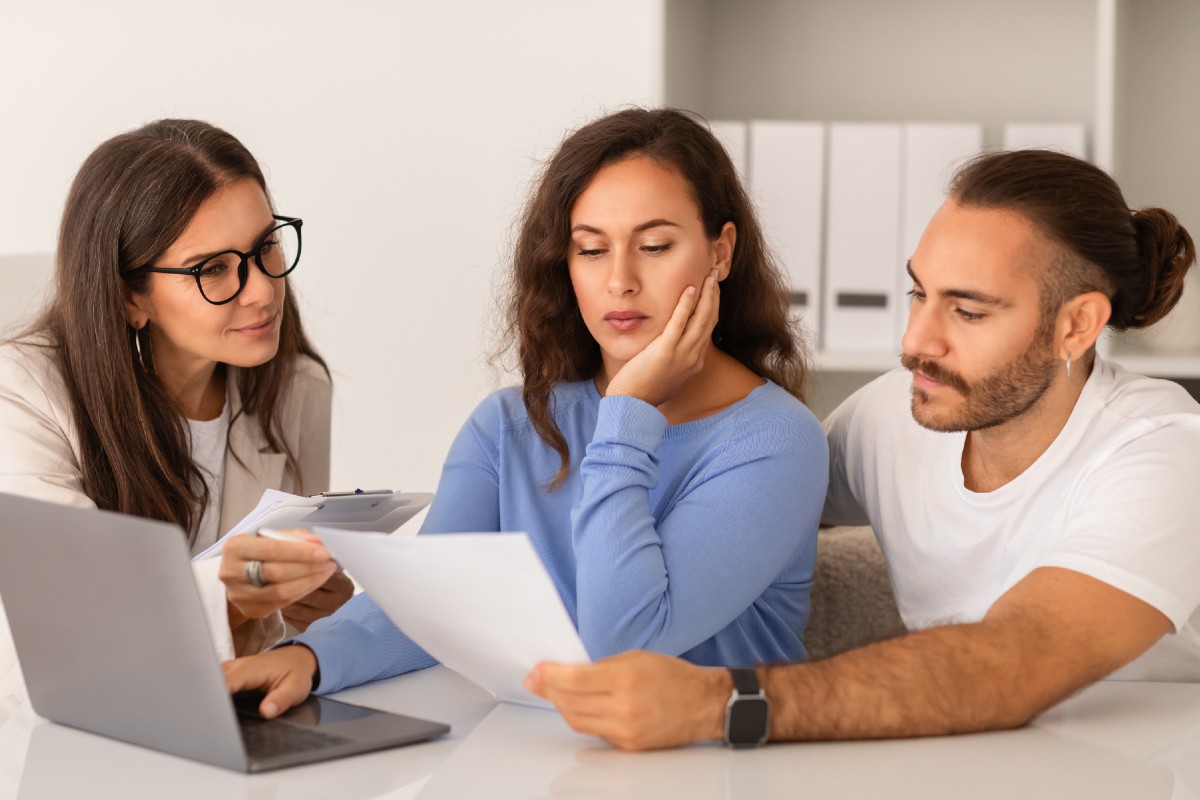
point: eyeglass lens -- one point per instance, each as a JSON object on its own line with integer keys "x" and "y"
{"x": 220, "y": 277}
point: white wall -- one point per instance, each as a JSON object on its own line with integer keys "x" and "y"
{"x": 404, "y": 134}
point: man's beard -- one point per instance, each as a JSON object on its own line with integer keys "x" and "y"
{"x": 1005, "y": 394}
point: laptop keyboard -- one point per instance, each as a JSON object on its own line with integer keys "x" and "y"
{"x": 264, "y": 738}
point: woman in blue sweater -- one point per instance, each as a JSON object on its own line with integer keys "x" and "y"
{"x": 657, "y": 453}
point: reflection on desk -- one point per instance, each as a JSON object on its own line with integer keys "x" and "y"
{"x": 1113, "y": 740}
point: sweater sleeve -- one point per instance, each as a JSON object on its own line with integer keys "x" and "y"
{"x": 749, "y": 510}
{"x": 359, "y": 643}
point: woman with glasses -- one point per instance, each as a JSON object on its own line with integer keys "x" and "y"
{"x": 657, "y": 453}
{"x": 169, "y": 375}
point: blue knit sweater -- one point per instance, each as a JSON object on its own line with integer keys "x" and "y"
{"x": 697, "y": 539}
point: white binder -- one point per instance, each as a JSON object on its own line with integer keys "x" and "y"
{"x": 862, "y": 255}
{"x": 933, "y": 151}
{"x": 1065, "y": 137}
{"x": 787, "y": 181}
{"x": 731, "y": 133}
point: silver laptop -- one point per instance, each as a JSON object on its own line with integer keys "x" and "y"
{"x": 110, "y": 632}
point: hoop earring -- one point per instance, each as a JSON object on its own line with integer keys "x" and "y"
{"x": 1068, "y": 362}
{"x": 137, "y": 346}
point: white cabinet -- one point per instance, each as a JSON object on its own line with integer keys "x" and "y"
{"x": 1126, "y": 69}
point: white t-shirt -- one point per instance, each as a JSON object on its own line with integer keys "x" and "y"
{"x": 1114, "y": 497}
{"x": 209, "y": 438}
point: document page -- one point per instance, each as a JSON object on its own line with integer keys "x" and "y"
{"x": 480, "y": 603}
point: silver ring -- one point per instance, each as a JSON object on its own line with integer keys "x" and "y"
{"x": 254, "y": 573}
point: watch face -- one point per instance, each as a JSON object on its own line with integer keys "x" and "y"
{"x": 747, "y": 720}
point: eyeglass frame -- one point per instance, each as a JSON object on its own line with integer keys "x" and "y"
{"x": 243, "y": 261}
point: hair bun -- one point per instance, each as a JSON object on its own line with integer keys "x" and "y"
{"x": 1165, "y": 253}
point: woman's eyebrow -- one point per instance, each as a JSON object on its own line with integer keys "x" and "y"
{"x": 197, "y": 257}
{"x": 655, "y": 223}
{"x": 645, "y": 226}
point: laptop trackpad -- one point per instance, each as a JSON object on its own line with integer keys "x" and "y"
{"x": 313, "y": 712}
{"x": 321, "y": 724}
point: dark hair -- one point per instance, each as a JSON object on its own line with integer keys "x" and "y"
{"x": 552, "y": 342}
{"x": 133, "y": 197}
{"x": 1137, "y": 258}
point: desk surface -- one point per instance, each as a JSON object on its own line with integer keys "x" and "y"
{"x": 1114, "y": 740}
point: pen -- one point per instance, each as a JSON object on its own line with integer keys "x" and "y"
{"x": 272, "y": 533}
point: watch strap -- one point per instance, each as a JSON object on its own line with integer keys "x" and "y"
{"x": 745, "y": 681}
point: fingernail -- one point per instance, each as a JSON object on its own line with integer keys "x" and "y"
{"x": 269, "y": 710}
{"x": 691, "y": 290}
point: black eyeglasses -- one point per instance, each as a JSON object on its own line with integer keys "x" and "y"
{"x": 222, "y": 276}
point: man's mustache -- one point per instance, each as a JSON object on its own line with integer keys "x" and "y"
{"x": 936, "y": 372}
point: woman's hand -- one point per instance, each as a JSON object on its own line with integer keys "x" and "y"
{"x": 327, "y": 599}
{"x": 292, "y": 571}
{"x": 285, "y": 675}
{"x": 657, "y": 373}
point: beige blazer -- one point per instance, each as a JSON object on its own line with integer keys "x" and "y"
{"x": 39, "y": 457}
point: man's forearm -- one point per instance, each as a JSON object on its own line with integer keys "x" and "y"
{"x": 952, "y": 679}
{"x": 1051, "y": 634}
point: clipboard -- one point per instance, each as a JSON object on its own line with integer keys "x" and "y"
{"x": 376, "y": 511}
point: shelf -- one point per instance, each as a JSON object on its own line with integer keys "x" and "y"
{"x": 1180, "y": 365}
{"x": 879, "y": 60}
{"x": 1099, "y": 62}
{"x": 855, "y": 361}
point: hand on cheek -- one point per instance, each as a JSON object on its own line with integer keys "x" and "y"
{"x": 657, "y": 373}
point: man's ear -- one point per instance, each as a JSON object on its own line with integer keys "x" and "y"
{"x": 1080, "y": 321}
{"x": 723, "y": 250}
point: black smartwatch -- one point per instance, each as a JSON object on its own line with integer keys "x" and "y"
{"x": 748, "y": 712}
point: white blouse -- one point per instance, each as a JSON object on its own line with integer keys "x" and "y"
{"x": 209, "y": 439}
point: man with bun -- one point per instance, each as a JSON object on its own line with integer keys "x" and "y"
{"x": 1034, "y": 501}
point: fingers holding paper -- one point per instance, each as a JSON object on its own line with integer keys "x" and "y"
{"x": 636, "y": 700}
{"x": 262, "y": 575}
{"x": 321, "y": 602}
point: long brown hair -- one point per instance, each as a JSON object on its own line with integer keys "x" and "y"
{"x": 133, "y": 197}
{"x": 543, "y": 320}
{"x": 1137, "y": 258}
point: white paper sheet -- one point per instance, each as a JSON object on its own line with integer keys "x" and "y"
{"x": 480, "y": 603}
{"x": 377, "y": 513}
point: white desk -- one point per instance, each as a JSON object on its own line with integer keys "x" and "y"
{"x": 1114, "y": 740}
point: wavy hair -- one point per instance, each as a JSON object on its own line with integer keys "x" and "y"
{"x": 543, "y": 322}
